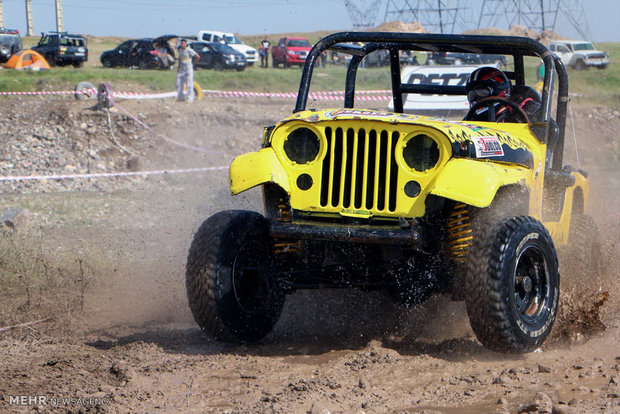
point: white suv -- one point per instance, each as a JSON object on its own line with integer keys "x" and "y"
{"x": 231, "y": 40}
{"x": 579, "y": 54}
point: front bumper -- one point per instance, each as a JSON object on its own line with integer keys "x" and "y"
{"x": 308, "y": 230}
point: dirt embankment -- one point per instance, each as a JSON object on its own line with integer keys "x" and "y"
{"x": 109, "y": 258}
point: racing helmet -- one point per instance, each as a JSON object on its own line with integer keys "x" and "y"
{"x": 487, "y": 81}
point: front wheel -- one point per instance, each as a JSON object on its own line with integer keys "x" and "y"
{"x": 229, "y": 282}
{"x": 512, "y": 285}
{"x": 580, "y": 65}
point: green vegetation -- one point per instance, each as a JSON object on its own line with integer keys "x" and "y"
{"x": 592, "y": 86}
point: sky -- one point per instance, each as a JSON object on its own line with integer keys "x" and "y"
{"x": 142, "y": 18}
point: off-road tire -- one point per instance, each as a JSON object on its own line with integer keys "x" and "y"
{"x": 215, "y": 284}
{"x": 497, "y": 297}
{"x": 107, "y": 63}
{"x": 584, "y": 247}
{"x": 580, "y": 65}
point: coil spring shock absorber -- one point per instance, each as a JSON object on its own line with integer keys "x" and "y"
{"x": 284, "y": 216}
{"x": 460, "y": 233}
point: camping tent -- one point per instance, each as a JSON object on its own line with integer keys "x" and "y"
{"x": 27, "y": 59}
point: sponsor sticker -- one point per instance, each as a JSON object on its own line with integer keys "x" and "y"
{"x": 487, "y": 147}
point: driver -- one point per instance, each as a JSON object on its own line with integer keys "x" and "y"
{"x": 490, "y": 82}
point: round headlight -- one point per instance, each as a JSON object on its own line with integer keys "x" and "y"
{"x": 421, "y": 153}
{"x": 302, "y": 146}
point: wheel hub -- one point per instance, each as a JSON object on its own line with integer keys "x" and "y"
{"x": 526, "y": 284}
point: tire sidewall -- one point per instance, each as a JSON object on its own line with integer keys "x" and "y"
{"x": 243, "y": 229}
{"x": 524, "y": 238}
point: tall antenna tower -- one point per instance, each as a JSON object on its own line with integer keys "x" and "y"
{"x": 435, "y": 15}
{"x": 363, "y": 13}
{"x": 537, "y": 15}
{"x": 573, "y": 11}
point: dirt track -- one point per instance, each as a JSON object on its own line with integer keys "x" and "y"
{"x": 129, "y": 343}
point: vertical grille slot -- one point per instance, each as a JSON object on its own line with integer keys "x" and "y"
{"x": 326, "y": 163}
{"x": 371, "y": 165}
{"x": 359, "y": 169}
{"x": 348, "y": 170}
{"x": 393, "y": 173}
{"x": 383, "y": 171}
{"x": 338, "y": 152}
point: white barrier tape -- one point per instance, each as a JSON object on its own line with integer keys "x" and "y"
{"x": 323, "y": 95}
{"x": 326, "y": 96}
{"x": 109, "y": 175}
{"x": 136, "y": 95}
{"x": 86, "y": 92}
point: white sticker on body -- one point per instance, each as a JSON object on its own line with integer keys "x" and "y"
{"x": 487, "y": 147}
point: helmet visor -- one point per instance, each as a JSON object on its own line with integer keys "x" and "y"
{"x": 479, "y": 93}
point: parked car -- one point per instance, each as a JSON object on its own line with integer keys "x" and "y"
{"x": 231, "y": 40}
{"x": 453, "y": 58}
{"x": 147, "y": 53}
{"x": 10, "y": 43}
{"x": 218, "y": 56}
{"x": 290, "y": 51}
{"x": 579, "y": 54}
{"x": 62, "y": 48}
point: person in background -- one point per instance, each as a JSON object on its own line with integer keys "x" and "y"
{"x": 166, "y": 58}
{"x": 265, "y": 45}
{"x": 185, "y": 73}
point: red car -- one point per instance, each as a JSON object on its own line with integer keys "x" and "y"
{"x": 290, "y": 51}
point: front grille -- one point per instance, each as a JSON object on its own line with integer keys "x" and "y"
{"x": 359, "y": 170}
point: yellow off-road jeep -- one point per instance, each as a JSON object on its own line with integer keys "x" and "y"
{"x": 413, "y": 205}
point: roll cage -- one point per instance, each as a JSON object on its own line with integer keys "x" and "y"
{"x": 360, "y": 44}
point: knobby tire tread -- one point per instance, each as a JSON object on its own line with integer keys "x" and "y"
{"x": 488, "y": 314}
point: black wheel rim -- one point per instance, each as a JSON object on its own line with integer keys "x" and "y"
{"x": 250, "y": 278}
{"x": 531, "y": 285}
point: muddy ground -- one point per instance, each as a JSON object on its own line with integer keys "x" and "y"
{"x": 104, "y": 259}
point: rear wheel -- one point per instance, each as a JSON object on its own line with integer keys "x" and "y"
{"x": 77, "y": 64}
{"x": 230, "y": 288}
{"x": 512, "y": 285}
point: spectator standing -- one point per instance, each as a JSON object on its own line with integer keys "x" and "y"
{"x": 185, "y": 74}
{"x": 265, "y": 46}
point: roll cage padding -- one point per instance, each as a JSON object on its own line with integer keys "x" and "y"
{"x": 518, "y": 47}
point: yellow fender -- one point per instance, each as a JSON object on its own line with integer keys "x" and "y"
{"x": 475, "y": 182}
{"x": 264, "y": 167}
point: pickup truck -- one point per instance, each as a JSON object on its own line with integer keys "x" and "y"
{"x": 290, "y": 51}
{"x": 579, "y": 54}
